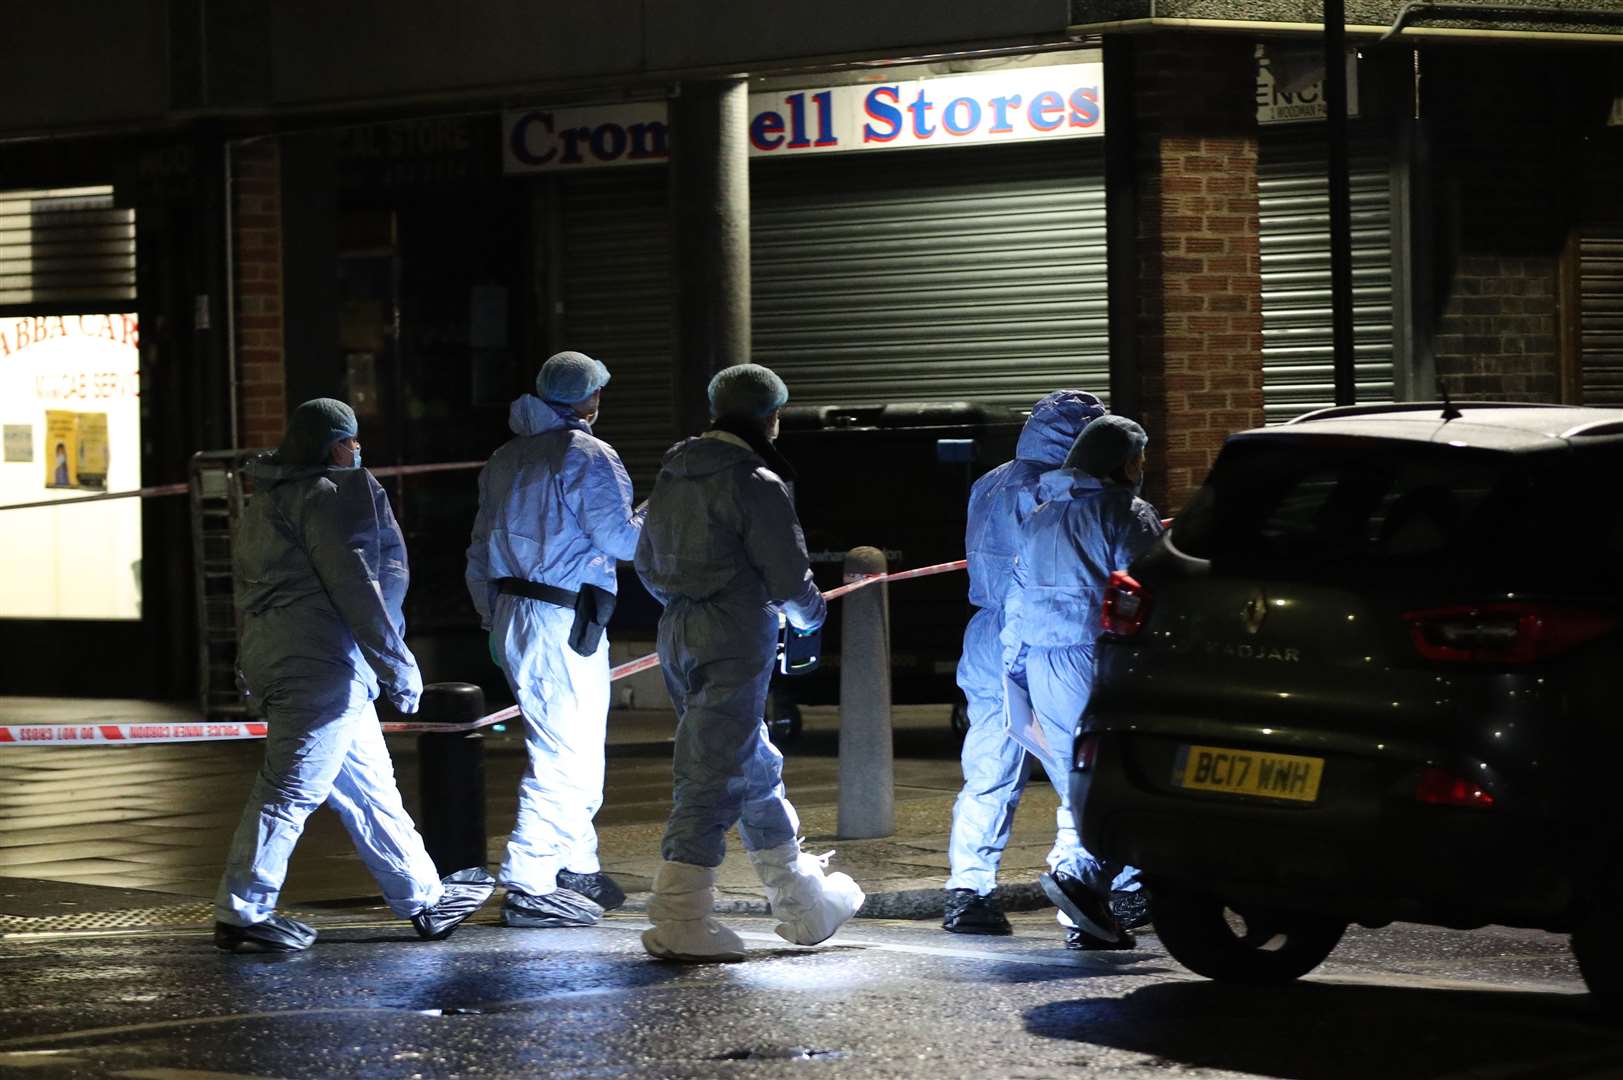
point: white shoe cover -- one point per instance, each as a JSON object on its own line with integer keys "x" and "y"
{"x": 809, "y": 905}
{"x": 684, "y": 897}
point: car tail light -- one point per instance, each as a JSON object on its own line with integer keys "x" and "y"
{"x": 1126, "y": 605}
{"x": 1504, "y": 633}
{"x": 1439, "y": 787}
{"x": 1087, "y": 748}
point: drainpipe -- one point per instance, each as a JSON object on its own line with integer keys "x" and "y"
{"x": 230, "y": 210}
{"x": 1515, "y": 12}
{"x": 1086, "y": 32}
{"x": 1335, "y": 101}
{"x": 1121, "y": 233}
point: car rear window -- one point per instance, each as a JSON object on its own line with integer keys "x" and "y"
{"x": 1344, "y": 506}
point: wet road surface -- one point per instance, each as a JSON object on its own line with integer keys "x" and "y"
{"x": 884, "y": 999}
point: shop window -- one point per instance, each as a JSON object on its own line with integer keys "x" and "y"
{"x": 69, "y": 405}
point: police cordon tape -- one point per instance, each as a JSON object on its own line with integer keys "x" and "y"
{"x": 84, "y": 734}
{"x": 128, "y": 734}
{"x": 181, "y": 489}
{"x": 106, "y": 496}
{"x": 645, "y": 663}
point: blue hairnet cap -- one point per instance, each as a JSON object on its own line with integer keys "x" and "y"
{"x": 1055, "y": 422}
{"x": 570, "y": 376}
{"x": 312, "y": 430}
{"x": 1105, "y": 445}
{"x": 746, "y": 390}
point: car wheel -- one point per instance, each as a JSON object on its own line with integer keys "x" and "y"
{"x": 959, "y": 719}
{"x": 1251, "y": 945}
{"x": 782, "y": 720}
{"x": 1598, "y": 945}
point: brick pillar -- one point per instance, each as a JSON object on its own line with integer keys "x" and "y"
{"x": 1506, "y": 211}
{"x": 1496, "y": 336}
{"x": 257, "y": 268}
{"x": 1200, "y": 273}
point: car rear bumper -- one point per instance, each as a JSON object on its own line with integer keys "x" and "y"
{"x": 1364, "y": 850}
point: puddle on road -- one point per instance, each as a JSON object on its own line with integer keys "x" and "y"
{"x": 780, "y": 1053}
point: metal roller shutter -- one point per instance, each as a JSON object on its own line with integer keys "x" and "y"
{"x": 1600, "y": 287}
{"x": 1298, "y": 364}
{"x": 65, "y": 246}
{"x": 617, "y": 305}
{"x": 958, "y": 275}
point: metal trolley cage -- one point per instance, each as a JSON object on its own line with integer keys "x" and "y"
{"x": 219, "y": 495}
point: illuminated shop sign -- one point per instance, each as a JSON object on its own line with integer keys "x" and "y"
{"x": 1017, "y": 105}
{"x": 71, "y": 412}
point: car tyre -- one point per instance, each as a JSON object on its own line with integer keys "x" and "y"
{"x": 1597, "y": 943}
{"x": 1252, "y": 945}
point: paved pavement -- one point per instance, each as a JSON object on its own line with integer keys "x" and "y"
{"x": 147, "y": 826}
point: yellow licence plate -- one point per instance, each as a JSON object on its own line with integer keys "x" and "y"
{"x": 1248, "y": 772}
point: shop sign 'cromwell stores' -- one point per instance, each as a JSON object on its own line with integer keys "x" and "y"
{"x": 973, "y": 276}
{"x": 1019, "y": 105}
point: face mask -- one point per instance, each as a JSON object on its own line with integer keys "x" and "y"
{"x": 356, "y": 464}
{"x": 1136, "y": 485}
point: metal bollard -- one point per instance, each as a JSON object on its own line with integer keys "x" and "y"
{"x": 867, "y": 779}
{"x": 452, "y": 777}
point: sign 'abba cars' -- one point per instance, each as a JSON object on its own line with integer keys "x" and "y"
{"x": 1017, "y": 105}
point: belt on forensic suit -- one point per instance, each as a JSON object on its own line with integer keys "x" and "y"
{"x": 534, "y": 590}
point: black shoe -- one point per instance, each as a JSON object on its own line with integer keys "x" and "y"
{"x": 465, "y": 890}
{"x": 276, "y": 934}
{"x": 1087, "y": 909}
{"x": 1078, "y": 938}
{"x": 598, "y": 887}
{"x": 970, "y": 913}
{"x": 1131, "y": 909}
{"x": 560, "y": 907}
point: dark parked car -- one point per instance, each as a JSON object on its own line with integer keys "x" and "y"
{"x": 1372, "y": 673}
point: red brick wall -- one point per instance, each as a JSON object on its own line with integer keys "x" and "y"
{"x": 257, "y": 250}
{"x": 1496, "y": 336}
{"x": 1200, "y": 274}
{"x": 1504, "y": 208}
